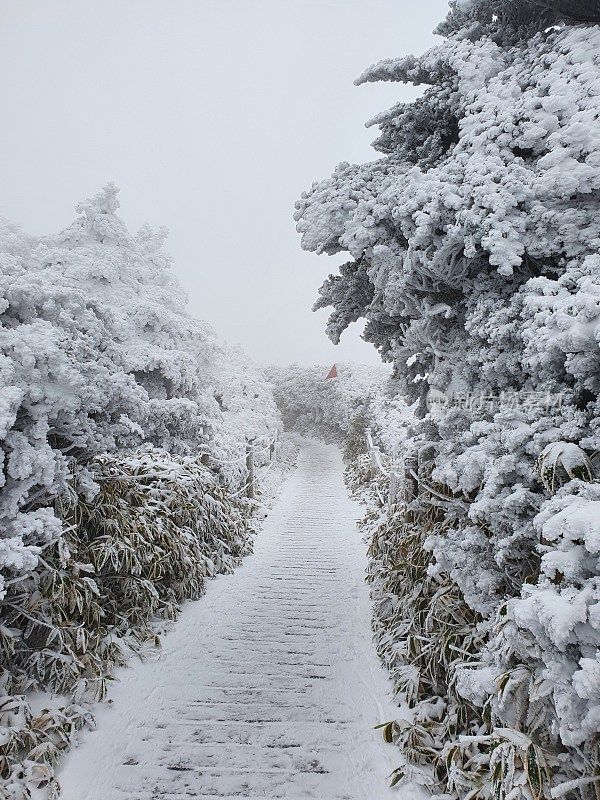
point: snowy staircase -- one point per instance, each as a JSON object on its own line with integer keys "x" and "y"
{"x": 268, "y": 687}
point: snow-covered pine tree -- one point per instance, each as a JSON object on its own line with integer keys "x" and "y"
{"x": 474, "y": 242}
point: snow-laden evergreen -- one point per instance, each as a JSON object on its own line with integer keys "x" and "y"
{"x": 123, "y": 426}
{"x": 474, "y": 259}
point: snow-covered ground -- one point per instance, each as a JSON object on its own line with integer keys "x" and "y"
{"x": 269, "y": 686}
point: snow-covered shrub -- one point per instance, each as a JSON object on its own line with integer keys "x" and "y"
{"x": 474, "y": 244}
{"x": 122, "y": 433}
{"x": 96, "y": 355}
{"x": 424, "y": 631}
{"x": 157, "y": 527}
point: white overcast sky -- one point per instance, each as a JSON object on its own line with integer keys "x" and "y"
{"x": 212, "y": 116}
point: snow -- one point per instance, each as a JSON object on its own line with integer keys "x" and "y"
{"x": 473, "y": 257}
{"x": 268, "y": 686}
{"x": 98, "y": 354}
{"x": 103, "y": 370}
{"x": 580, "y": 520}
{"x": 473, "y": 246}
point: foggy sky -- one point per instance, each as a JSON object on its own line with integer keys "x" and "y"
{"x": 212, "y": 116}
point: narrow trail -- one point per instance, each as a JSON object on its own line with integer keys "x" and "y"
{"x": 268, "y": 687}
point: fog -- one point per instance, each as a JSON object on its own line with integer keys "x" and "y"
{"x": 212, "y": 117}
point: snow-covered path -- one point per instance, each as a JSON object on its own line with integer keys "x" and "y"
{"x": 268, "y": 687}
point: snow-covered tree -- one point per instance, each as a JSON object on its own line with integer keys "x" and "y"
{"x": 111, "y": 398}
{"x": 474, "y": 243}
